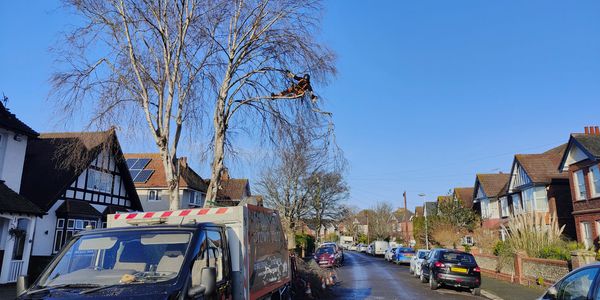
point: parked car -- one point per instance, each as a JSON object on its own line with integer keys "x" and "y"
{"x": 353, "y": 247}
{"x": 389, "y": 254}
{"x": 581, "y": 283}
{"x": 453, "y": 268}
{"x": 403, "y": 255}
{"x": 416, "y": 261}
{"x": 339, "y": 251}
{"x": 326, "y": 256}
{"x": 362, "y": 248}
{"x": 379, "y": 248}
{"x": 370, "y": 249}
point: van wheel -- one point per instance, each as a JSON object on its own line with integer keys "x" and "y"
{"x": 433, "y": 284}
{"x": 476, "y": 292}
{"x": 423, "y": 279}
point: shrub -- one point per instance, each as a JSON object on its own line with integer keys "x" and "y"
{"x": 446, "y": 235}
{"x": 530, "y": 233}
{"x": 501, "y": 248}
{"x": 555, "y": 252}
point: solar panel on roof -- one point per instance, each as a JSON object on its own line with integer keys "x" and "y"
{"x": 131, "y": 162}
{"x": 134, "y": 173}
{"x": 140, "y": 164}
{"x": 143, "y": 176}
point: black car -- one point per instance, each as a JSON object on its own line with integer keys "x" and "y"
{"x": 451, "y": 268}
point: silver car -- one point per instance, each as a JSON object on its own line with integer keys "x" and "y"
{"x": 415, "y": 262}
{"x": 581, "y": 283}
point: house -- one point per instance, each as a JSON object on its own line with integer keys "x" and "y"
{"x": 402, "y": 226}
{"x": 464, "y": 195}
{"x": 430, "y": 209}
{"x": 233, "y": 191}
{"x": 487, "y": 199}
{"x": 581, "y": 163}
{"x": 17, "y": 213}
{"x": 76, "y": 178}
{"x": 536, "y": 186}
{"x": 151, "y": 184}
{"x": 419, "y": 212}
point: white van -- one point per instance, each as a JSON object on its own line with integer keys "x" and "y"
{"x": 379, "y": 247}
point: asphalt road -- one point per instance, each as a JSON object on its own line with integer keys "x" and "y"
{"x": 368, "y": 277}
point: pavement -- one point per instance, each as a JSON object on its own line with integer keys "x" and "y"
{"x": 367, "y": 277}
{"x": 497, "y": 289}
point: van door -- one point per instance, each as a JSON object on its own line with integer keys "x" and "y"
{"x": 218, "y": 257}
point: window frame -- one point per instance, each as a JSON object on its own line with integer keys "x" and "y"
{"x": 156, "y": 197}
{"x": 593, "y": 180}
{"x": 584, "y": 234}
{"x": 577, "y": 185}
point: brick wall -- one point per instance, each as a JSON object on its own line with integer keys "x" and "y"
{"x": 524, "y": 270}
{"x": 587, "y": 210}
{"x": 559, "y": 198}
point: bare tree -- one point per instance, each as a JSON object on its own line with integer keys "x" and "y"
{"x": 284, "y": 184}
{"x": 328, "y": 191}
{"x": 383, "y": 214}
{"x": 135, "y": 61}
{"x": 258, "y": 42}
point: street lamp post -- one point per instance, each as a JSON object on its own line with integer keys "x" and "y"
{"x": 426, "y": 229}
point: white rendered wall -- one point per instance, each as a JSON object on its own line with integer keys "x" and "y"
{"x": 42, "y": 242}
{"x": 12, "y": 162}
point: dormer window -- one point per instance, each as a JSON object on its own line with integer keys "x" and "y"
{"x": 580, "y": 190}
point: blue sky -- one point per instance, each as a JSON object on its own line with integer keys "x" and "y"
{"x": 428, "y": 92}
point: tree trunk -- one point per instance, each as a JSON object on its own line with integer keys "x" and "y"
{"x": 172, "y": 177}
{"x": 220, "y": 125}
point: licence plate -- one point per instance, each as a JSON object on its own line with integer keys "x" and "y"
{"x": 459, "y": 270}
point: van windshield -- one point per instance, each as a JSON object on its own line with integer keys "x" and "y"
{"x": 119, "y": 258}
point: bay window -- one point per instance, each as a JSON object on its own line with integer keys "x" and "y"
{"x": 595, "y": 181}
{"x": 580, "y": 191}
{"x": 504, "y": 207}
{"x": 516, "y": 201}
{"x": 535, "y": 199}
{"x": 485, "y": 208}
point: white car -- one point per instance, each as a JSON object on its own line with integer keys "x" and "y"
{"x": 362, "y": 248}
{"x": 389, "y": 254}
{"x": 370, "y": 249}
{"x": 353, "y": 248}
{"x": 415, "y": 262}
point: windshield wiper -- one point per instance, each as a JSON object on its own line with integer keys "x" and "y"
{"x": 62, "y": 286}
{"x": 99, "y": 288}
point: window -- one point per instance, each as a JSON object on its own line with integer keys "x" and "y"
{"x": 595, "y": 181}
{"x": 580, "y": 191}
{"x": 541, "y": 198}
{"x": 494, "y": 209}
{"x": 504, "y": 207}
{"x": 216, "y": 253}
{"x": 154, "y": 195}
{"x": 485, "y": 206}
{"x": 196, "y": 198}
{"x": 527, "y": 199}
{"x": 99, "y": 181}
{"x": 578, "y": 285}
{"x": 517, "y": 205}
{"x": 586, "y": 233}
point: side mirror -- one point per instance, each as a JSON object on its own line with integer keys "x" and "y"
{"x": 22, "y": 284}
{"x": 552, "y": 293}
{"x": 208, "y": 285}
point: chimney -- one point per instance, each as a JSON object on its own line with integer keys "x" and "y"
{"x": 225, "y": 174}
{"x": 597, "y": 130}
{"x": 587, "y": 130}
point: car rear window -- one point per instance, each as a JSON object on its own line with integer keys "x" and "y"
{"x": 407, "y": 250}
{"x": 458, "y": 257}
{"x": 328, "y": 250}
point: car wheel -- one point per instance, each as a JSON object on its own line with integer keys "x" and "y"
{"x": 476, "y": 292}
{"x": 433, "y": 284}
{"x": 423, "y": 279}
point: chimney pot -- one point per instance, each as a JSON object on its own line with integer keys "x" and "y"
{"x": 587, "y": 130}
{"x": 597, "y": 129}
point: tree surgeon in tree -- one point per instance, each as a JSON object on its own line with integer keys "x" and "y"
{"x": 299, "y": 88}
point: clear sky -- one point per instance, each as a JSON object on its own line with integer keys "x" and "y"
{"x": 428, "y": 92}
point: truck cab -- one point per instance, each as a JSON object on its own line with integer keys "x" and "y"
{"x": 140, "y": 262}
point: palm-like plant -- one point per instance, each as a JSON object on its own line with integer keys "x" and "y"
{"x": 530, "y": 233}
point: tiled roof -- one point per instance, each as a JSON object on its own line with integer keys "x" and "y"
{"x": 44, "y": 175}
{"x": 590, "y": 142}
{"x": 188, "y": 179}
{"x": 419, "y": 211}
{"x": 464, "y": 195}
{"x": 9, "y": 121}
{"x": 12, "y": 202}
{"x": 233, "y": 189}
{"x": 543, "y": 167}
{"x": 492, "y": 184}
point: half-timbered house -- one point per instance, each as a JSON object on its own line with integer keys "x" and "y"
{"x": 76, "y": 178}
